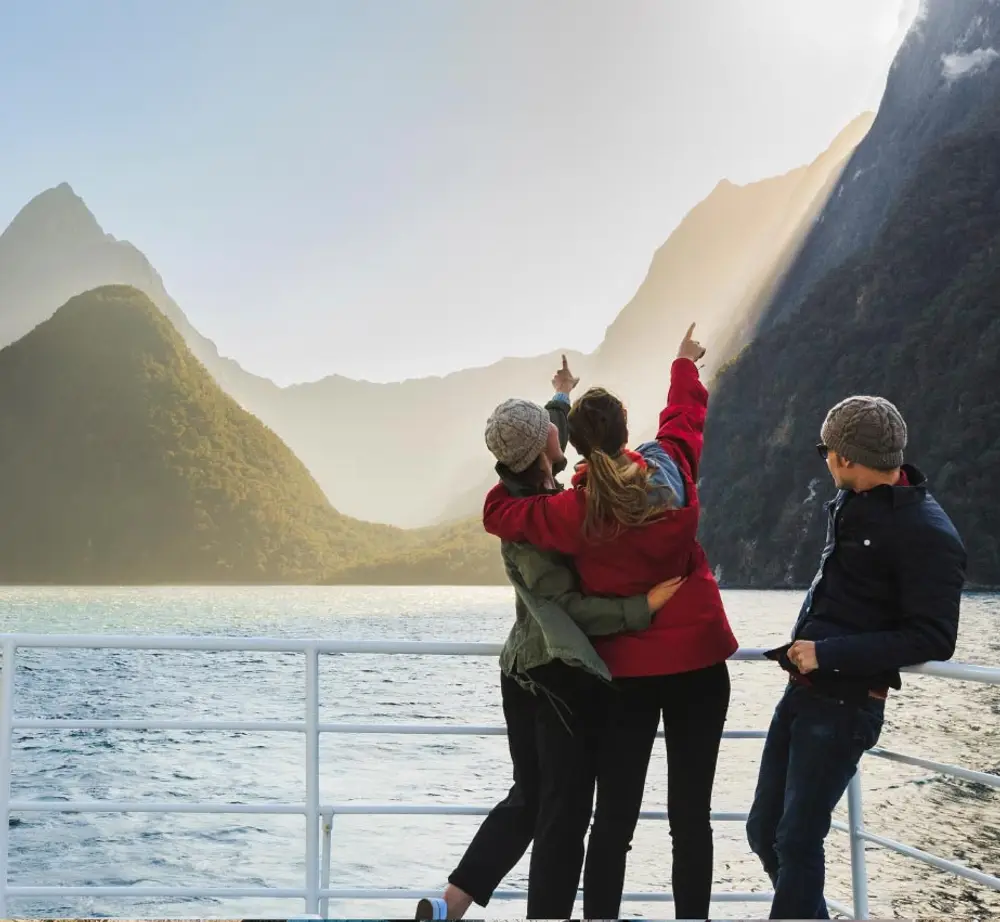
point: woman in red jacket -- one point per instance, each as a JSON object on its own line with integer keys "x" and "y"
{"x": 630, "y": 522}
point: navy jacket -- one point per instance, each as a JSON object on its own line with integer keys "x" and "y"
{"x": 889, "y": 585}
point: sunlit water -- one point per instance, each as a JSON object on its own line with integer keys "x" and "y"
{"x": 953, "y": 722}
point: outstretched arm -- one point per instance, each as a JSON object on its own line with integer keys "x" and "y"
{"x": 563, "y": 382}
{"x": 682, "y": 421}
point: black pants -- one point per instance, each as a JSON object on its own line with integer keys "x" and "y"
{"x": 553, "y": 737}
{"x": 694, "y": 707}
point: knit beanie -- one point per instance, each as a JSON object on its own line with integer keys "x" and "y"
{"x": 869, "y": 431}
{"x": 516, "y": 433}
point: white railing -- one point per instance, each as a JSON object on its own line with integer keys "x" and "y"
{"x": 316, "y": 890}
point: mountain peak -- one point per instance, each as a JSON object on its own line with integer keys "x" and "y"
{"x": 57, "y": 212}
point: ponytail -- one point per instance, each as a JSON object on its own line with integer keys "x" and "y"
{"x": 616, "y": 486}
{"x": 616, "y": 496}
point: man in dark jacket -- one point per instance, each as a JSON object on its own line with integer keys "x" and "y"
{"x": 886, "y": 596}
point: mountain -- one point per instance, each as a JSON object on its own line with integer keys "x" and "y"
{"x": 55, "y": 249}
{"x": 944, "y": 75}
{"x": 427, "y": 434}
{"x": 718, "y": 266}
{"x": 123, "y": 461}
{"x": 914, "y": 316}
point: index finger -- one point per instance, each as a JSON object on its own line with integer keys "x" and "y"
{"x": 690, "y": 332}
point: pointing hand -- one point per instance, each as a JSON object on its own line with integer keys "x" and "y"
{"x": 563, "y": 381}
{"x": 690, "y": 348}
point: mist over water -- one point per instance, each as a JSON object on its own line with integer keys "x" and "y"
{"x": 951, "y": 722}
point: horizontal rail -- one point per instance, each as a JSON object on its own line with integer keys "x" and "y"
{"x": 462, "y": 810}
{"x": 842, "y": 909}
{"x": 754, "y": 896}
{"x": 954, "y": 771}
{"x": 248, "y": 644}
{"x": 296, "y": 726}
{"x": 942, "y": 864}
{"x": 352, "y": 809}
{"x": 963, "y": 672}
{"x": 960, "y": 671}
{"x": 735, "y": 896}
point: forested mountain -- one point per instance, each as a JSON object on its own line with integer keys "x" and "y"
{"x": 915, "y": 317}
{"x": 122, "y": 461}
{"x": 943, "y": 77}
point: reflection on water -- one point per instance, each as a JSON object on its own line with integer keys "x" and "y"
{"x": 952, "y": 722}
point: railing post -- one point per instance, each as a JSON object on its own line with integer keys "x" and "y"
{"x": 312, "y": 781}
{"x": 324, "y": 902}
{"x": 859, "y": 868}
{"x": 6, "y": 744}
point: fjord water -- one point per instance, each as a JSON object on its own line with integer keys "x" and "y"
{"x": 951, "y": 722}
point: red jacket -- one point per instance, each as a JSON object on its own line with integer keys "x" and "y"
{"x": 691, "y": 631}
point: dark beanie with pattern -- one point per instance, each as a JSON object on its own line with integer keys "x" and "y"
{"x": 869, "y": 431}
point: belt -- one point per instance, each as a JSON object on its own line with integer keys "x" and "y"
{"x": 879, "y": 694}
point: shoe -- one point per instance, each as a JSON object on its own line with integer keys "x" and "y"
{"x": 431, "y": 909}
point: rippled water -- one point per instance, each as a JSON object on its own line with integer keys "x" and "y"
{"x": 953, "y": 722}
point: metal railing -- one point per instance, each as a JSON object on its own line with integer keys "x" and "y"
{"x": 316, "y": 890}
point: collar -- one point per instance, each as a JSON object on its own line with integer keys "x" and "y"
{"x": 911, "y": 488}
{"x": 518, "y": 486}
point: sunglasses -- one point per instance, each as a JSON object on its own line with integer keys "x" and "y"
{"x": 822, "y": 450}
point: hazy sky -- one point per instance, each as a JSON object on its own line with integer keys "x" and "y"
{"x": 388, "y": 189}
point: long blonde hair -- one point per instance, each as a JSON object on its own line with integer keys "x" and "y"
{"x": 616, "y": 486}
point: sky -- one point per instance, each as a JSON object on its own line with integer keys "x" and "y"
{"x": 386, "y": 189}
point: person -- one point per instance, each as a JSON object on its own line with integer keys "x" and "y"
{"x": 630, "y": 520}
{"x": 553, "y": 685}
{"x": 886, "y": 595}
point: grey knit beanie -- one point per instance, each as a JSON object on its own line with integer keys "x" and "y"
{"x": 869, "y": 431}
{"x": 516, "y": 433}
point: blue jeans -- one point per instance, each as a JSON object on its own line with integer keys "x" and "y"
{"x": 811, "y": 753}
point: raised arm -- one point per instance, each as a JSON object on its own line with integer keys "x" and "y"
{"x": 552, "y": 522}
{"x": 597, "y": 616}
{"x": 682, "y": 420}
{"x": 563, "y": 382}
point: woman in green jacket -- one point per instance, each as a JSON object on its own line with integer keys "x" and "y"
{"x": 555, "y": 689}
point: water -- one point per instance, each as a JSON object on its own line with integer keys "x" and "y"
{"x": 953, "y": 722}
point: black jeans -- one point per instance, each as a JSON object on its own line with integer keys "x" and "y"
{"x": 694, "y": 707}
{"x": 553, "y": 738}
{"x": 811, "y": 753}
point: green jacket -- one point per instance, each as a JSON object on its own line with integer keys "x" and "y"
{"x": 552, "y": 618}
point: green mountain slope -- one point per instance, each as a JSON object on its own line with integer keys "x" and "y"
{"x": 122, "y": 461}
{"x": 916, "y": 318}
{"x": 458, "y": 554}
